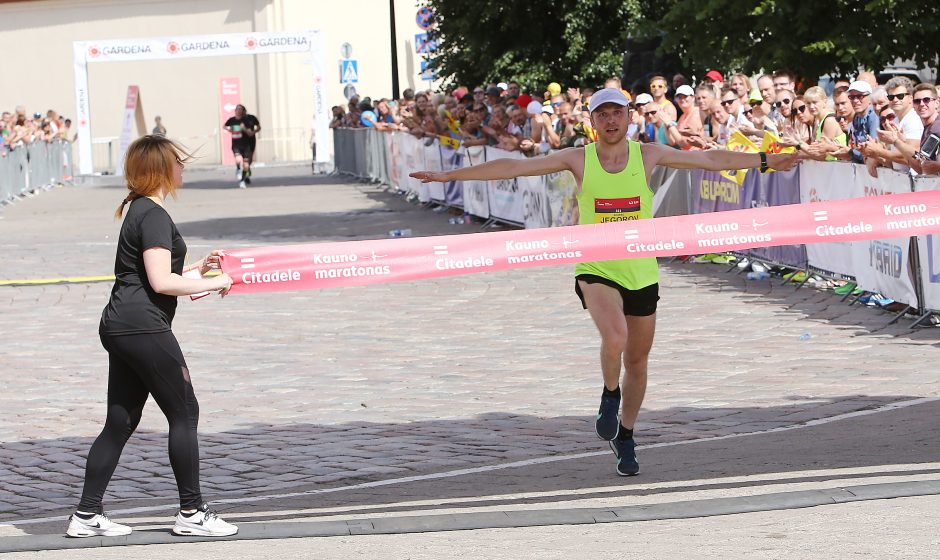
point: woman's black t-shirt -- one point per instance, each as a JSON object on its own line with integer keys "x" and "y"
{"x": 134, "y": 307}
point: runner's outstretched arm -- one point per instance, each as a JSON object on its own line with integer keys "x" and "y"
{"x": 504, "y": 168}
{"x": 714, "y": 160}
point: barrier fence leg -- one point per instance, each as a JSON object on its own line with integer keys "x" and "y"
{"x": 899, "y": 315}
{"x": 921, "y": 319}
{"x": 849, "y": 293}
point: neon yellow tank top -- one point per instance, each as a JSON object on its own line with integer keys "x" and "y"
{"x": 614, "y": 197}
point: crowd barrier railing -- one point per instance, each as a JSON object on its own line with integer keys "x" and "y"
{"x": 32, "y": 167}
{"x": 905, "y": 269}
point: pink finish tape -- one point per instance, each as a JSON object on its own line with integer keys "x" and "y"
{"x": 358, "y": 263}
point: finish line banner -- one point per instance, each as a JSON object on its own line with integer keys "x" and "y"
{"x": 379, "y": 261}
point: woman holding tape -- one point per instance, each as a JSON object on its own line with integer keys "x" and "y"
{"x": 143, "y": 355}
{"x": 613, "y": 176}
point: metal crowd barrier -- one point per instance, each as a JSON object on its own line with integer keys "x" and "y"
{"x": 34, "y": 166}
{"x": 361, "y": 152}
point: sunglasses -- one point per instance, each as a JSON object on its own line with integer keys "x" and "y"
{"x": 784, "y": 101}
{"x": 893, "y": 96}
{"x": 888, "y": 117}
{"x": 747, "y": 111}
{"x": 857, "y": 96}
{"x": 657, "y": 86}
{"x": 651, "y": 113}
{"x": 728, "y": 102}
{"x": 800, "y": 109}
{"x": 924, "y": 100}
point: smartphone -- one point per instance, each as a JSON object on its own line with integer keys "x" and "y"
{"x": 929, "y": 147}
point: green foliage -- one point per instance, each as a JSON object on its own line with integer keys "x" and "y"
{"x": 572, "y": 42}
{"x": 581, "y": 42}
{"x": 809, "y": 38}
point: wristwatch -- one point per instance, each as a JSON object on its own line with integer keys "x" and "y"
{"x": 763, "y": 162}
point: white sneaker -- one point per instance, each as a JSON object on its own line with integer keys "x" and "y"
{"x": 97, "y": 526}
{"x": 238, "y": 172}
{"x": 242, "y": 185}
{"x": 203, "y": 523}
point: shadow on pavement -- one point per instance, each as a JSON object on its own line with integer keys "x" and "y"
{"x": 813, "y": 303}
{"x": 288, "y": 460}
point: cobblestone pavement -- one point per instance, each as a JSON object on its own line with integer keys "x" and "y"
{"x": 317, "y": 389}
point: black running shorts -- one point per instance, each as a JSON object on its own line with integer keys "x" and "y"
{"x": 636, "y": 303}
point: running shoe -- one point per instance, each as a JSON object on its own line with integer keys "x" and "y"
{"x": 98, "y": 525}
{"x": 723, "y": 259}
{"x": 607, "y": 422}
{"x": 625, "y": 451}
{"x": 844, "y": 289}
{"x": 796, "y": 276}
{"x": 238, "y": 173}
{"x": 242, "y": 185}
{"x": 203, "y": 523}
{"x": 707, "y": 258}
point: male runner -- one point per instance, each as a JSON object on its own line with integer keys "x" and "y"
{"x": 244, "y": 129}
{"x": 621, "y": 296}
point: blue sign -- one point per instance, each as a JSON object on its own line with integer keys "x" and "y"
{"x": 423, "y": 18}
{"x": 426, "y": 72}
{"x": 424, "y": 44}
{"x": 349, "y": 71}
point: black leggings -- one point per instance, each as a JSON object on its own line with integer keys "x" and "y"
{"x": 142, "y": 365}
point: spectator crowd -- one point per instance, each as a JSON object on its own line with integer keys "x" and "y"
{"x": 18, "y": 128}
{"x": 880, "y": 125}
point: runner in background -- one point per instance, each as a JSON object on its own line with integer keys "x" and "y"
{"x": 613, "y": 178}
{"x": 244, "y": 129}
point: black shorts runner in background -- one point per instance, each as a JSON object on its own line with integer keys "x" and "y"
{"x": 244, "y": 150}
{"x": 636, "y": 303}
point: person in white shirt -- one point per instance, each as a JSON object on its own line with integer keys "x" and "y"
{"x": 906, "y": 127}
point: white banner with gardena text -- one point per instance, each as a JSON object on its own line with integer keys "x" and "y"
{"x": 162, "y": 48}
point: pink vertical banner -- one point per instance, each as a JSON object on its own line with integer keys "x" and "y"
{"x": 230, "y": 95}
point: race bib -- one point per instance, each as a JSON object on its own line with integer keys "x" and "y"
{"x": 616, "y": 209}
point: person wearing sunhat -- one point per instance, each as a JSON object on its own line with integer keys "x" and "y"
{"x": 612, "y": 175}
{"x": 865, "y": 122}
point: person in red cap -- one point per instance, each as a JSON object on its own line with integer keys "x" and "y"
{"x": 613, "y": 186}
{"x": 715, "y": 77}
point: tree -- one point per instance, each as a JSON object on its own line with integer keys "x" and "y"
{"x": 572, "y": 42}
{"x": 808, "y": 38}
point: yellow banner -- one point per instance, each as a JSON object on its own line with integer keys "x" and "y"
{"x": 738, "y": 142}
{"x": 449, "y": 142}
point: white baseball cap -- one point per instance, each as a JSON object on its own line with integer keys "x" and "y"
{"x": 609, "y": 95}
{"x": 860, "y": 86}
{"x": 503, "y": 86}
{"x": 643, "y": 99}
{"x": 685, "y": 90}
{"x": 534, "y": 108}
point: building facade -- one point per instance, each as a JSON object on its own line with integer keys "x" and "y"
{"x": 38, "y": 66}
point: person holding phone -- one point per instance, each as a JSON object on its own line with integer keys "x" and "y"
{"x": 925, "y": 159}
{"x": 144, "y": 357}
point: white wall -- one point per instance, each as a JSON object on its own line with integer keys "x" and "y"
{"x": 37, "y": 70}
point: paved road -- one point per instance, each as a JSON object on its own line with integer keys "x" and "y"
{"x": 474, "y": 386}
